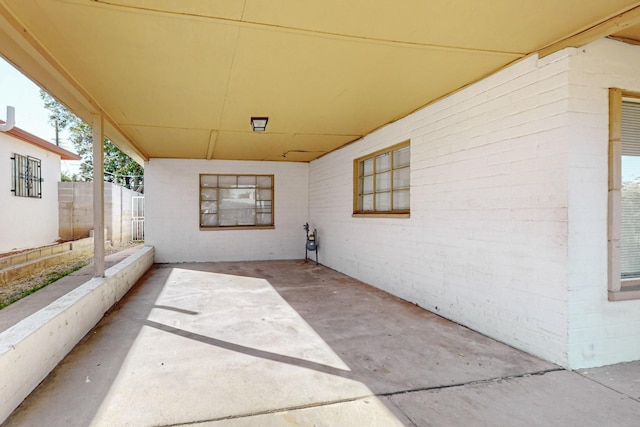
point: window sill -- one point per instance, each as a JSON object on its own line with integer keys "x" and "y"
{"x": 381, "y": 215}
{"x": 625, "y": 294}
{"x": 239, "y": 227}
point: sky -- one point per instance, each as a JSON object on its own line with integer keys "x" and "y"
{"x": 18, "y": 91}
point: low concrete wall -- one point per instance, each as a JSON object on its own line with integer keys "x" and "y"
{"x": 31, "y": 349}
{"x": 22, "y": 257}
{"x": 21, "y": 265}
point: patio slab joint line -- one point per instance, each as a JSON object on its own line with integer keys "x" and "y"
{"x": 489, "y": 380}
{"x": 636, "y": 400}
{"x": 334, "y": 402}
{"x": 269, "y": 411}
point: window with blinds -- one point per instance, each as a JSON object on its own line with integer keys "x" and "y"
{"x": 630, "y": 191}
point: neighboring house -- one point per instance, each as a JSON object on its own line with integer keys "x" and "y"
{"x": 507, "y": 225}
{"x": 29, "y": 189}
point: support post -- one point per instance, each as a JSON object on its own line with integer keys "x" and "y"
{"x": 98, "y": 194}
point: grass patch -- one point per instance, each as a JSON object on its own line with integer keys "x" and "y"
{"x": 47, "y": 280}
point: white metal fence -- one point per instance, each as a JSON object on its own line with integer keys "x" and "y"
{"x": 137, "y": 221}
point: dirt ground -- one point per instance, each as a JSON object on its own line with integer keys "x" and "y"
{"x": 15, "y": 288}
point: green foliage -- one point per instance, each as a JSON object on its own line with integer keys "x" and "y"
{"x": 65, "y": 177}
{"x": 118, "y": 167}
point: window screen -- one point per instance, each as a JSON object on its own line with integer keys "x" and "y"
{"x": 630, "y": 191}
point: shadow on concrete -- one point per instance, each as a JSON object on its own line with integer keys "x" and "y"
{"x": 90, "y": 367}
{"x": 254, "y": 341}
{"x": 267, "y": 355}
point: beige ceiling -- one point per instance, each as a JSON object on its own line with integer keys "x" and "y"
{"x": 181, "y": 79}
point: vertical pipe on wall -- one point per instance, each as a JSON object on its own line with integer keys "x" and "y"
{"x": 11, "y": 120}
{"x": 98, "y": 193}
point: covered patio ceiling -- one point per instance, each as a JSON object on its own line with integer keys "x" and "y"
{"x": 181, "y": 79}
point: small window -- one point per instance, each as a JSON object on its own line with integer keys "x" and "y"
{"x": 624, "y": 195}
{"x": 26, "y": 177}
{"x": 382, "y": 182}
{"x": 236, "y": 201}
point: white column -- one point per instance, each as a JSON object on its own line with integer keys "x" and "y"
{"x": 98, "y": 193}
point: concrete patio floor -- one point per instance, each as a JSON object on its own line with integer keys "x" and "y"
{"x": 284, "y": 343}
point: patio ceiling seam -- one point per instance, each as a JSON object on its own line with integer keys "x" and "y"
{"x": 596, "y": 31}
{"x": 264, "y": 25}
{"x": 213, "y": 136}
{"x": 142, "y": 153}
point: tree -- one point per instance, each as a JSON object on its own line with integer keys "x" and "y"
{"x": 65, "y": 177}
{"x": 118, "y": 167}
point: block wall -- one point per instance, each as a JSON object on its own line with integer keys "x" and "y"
{"x": 118, "y": 212}
{"x": 27, "y": 222}
{"x": 75, "y": 201}
{"x": 600, "y": 332}
{"x": 172, "y": 212}
{"x": 487, "y": 241}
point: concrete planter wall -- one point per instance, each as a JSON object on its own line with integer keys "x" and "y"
{"x": 59, "y": 327}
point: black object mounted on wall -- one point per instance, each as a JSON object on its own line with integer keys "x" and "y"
{"x": 311, "y": 244}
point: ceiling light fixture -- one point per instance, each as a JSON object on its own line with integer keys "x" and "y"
{"x": 259, "y": 124}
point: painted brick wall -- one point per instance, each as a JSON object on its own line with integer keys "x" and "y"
{"x": 600, "y": 332}
{"x": 27, "y": 222}
{"x": 487, "y": 241}
{"x": 172, "y": 212}
{"x": 507, "y": 233}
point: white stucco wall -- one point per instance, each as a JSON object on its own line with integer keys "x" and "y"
{"x": 27, "y": 222}
{"x": 172, "y": 212}
{"x": 600, "y": 332}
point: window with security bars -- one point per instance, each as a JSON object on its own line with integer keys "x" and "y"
{"x": 382, "y": 181}
{"x": 630, "y": 191}
{"x": 26, "y": 176}
{"x": 228, "y": 201}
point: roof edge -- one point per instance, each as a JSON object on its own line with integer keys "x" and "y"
{"x": 25, "y": 136}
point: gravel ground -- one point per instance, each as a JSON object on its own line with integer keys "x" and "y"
{"x": 14, "y": 289}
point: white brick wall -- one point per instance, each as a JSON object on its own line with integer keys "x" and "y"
{"x": 508, "y": 223}
{"x": 600, "y": 332}
{"x": 27, "y": 222}
{"x": 172, "y": 213}
{"x": 507, "y": 233}
{"x": 486, "y": 244}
